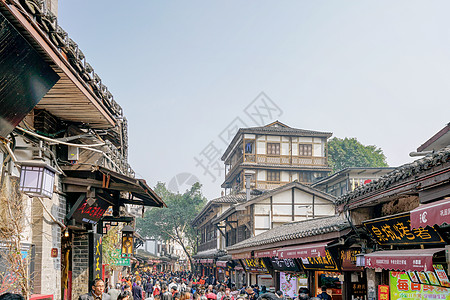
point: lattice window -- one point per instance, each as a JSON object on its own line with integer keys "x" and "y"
{"x": 273, "y": 175}
{"x": 305, "y": 150}
{"x": 273, "y": 148}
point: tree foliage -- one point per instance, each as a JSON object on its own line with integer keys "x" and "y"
{"x": 348, "y": 152}
{"x": 174, "y": 221}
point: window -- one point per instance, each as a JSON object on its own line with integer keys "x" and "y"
{"x": 273, "y": 176}
{"x": 304, "y": 149}
{"x": 273, "y": 148}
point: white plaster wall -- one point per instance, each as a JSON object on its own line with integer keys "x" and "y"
{"x": 305, "y": 140}
{"x": 279, "y": 219}
{"x": 284, "y": 149}
{"x": 262, "y": 222}
{"x": 283, "y": 197}
{"x": 261, "y": 175}
{"x": 282, "y": 210}
{"x": 324, "y": 210}
{"x": 262, "y": 209}
{"x": 273, "y": 138}
{"x": 317, "y": 151}
{"x": 294, "y": 176}
{"x": 284, "y": 176}
{"x": 261, "y": 147}
{"x": 249, "y": 136}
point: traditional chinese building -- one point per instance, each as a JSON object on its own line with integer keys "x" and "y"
{"x": 274, "y": 155}
{"x": 64, "y": 153}
{"x": 405, "y": 214}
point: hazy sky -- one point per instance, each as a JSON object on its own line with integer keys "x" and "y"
{"x": 183, "y": 71}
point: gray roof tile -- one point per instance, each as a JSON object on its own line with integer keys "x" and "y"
{"x": 295, "y": 230}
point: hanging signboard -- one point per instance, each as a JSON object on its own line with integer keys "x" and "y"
{"x": 84, "y": 213}
{"x": 442, "y": 275}
{"x": 348, "y": 259}
{"x": 396, "y": 230}
{"x": 284, "y": 264}
{"x": 320, "y": 263}
{"x": 255, "y": 265}
{"x": 401, "y": 287}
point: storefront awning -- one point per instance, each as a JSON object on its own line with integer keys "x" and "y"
{"x": 307, "y": 250}
{"x": 436, "y": 213}
{"x": 402, "y": 260}
{"x": 266, "y": 253}
{"x": 221, "y": 263}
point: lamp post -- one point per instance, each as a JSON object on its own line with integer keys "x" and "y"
{"x": 127, "y": 241}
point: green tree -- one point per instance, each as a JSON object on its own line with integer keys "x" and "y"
{"x": 348, "y": 152}
{"x": 174, "y": 221}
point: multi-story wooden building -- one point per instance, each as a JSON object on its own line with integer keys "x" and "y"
{"x": 276, "y": 154}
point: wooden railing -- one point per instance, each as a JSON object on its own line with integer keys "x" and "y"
{"x": 268, "y": 185}
{"x": 286, "y": 160}
{"x": 212, "y": 244}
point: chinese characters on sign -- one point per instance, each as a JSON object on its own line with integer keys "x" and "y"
{"x": 401, "y": 287}
{"x": 396, "y": 231}
{"x": 254, "y": 265}
{"x": 95, "y": 257}
{"x": 348, "y": 259}
{"x": 383, "y": 292}
{"x": 320, "y": 263}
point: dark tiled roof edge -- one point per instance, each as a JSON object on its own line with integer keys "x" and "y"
{"x": 403, "y": 172}
{"x": 294, "y": 230}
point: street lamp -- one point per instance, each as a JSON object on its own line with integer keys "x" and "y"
{"x": 36, "y": 178}
{"x": 127, "y": 241}
{"x": 360, "y": 260}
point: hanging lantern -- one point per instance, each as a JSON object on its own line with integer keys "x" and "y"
{"x": 127, "y": 241}
{"x": 36, "y": 178}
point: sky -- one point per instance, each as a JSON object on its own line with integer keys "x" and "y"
{"x": 187, "y": 72}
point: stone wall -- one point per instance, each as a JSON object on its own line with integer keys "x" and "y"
{"x": 80, "y": 265}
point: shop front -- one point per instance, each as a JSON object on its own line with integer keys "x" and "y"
{"x": 416, "y": 269}
{"x": 257, "y": 272}
{"x": 355, "y": 282}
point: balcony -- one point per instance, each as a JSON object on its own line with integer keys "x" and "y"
{"x": 212, "y": 244}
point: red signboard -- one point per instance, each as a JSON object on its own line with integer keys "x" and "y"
{"x": 403, "y": 260}
{"x": 85, "y": 213}
{"x": 266, "y": 253}
{"x": 383, "y": 292}
{"x": 308, "y": 250}
{"x": 436, "y": 213}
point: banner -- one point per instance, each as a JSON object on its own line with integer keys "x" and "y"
{"x": 401, "y": 287}
{"x": 288, "y": 285}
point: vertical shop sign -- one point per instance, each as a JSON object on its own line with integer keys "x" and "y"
{"x": 95, "y": 257}
{"x": 383, "y": 292}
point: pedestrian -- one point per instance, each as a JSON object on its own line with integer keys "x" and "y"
{"x": 279, "y": 294}
{"x": 123, "y": 296}
{"x": 97, "y": 293}
{"x": 250, "y": 294}
{"x": 165, "y": 294}
{"x": 324, "y": 294}
{"x": 114, "y": 292}
{"x": 137, "y": 291}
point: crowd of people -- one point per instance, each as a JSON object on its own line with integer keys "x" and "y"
{"x": 186, "y": 286}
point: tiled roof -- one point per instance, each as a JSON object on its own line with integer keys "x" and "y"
{"x": 298, "y": 131}
{"x": 48, "y": 22}
{"x": 403, "y": 173}
{"x": 232, "y": 198}
{"x": 295, "y": 230}
{"x": 277, "y": 130}
{"x": 210, "y": 253}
